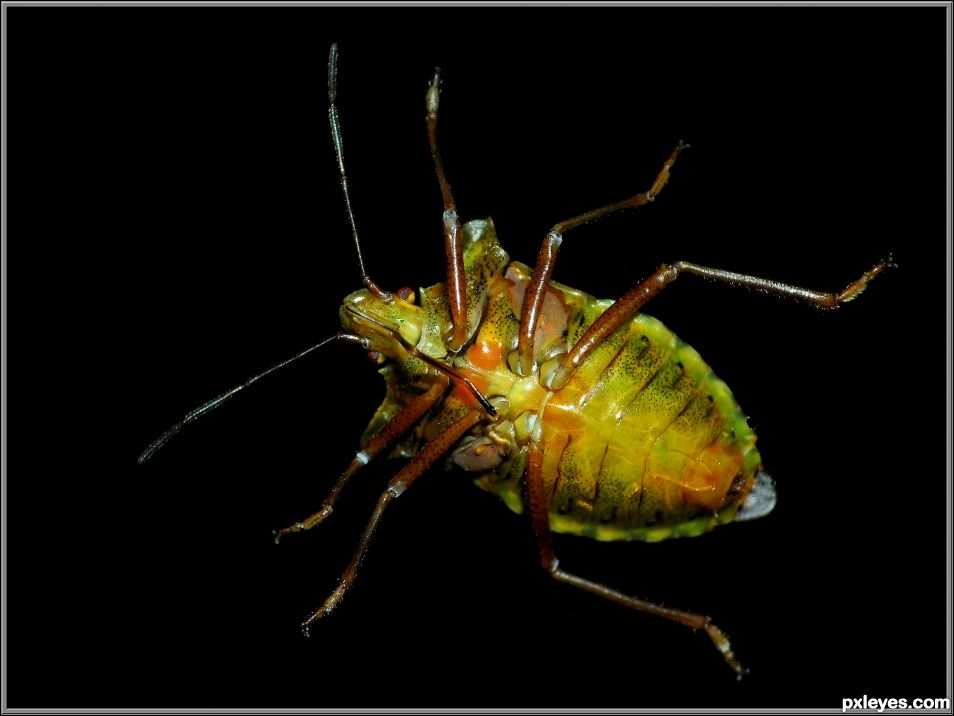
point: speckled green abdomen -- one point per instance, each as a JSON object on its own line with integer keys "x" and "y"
{"x": 645, "y": 442}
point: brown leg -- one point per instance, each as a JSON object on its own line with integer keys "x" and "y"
{"x": 398, "y": 484}
{"x": 381, "y": 440}
{"x": 634, "y": 299}
{"x": 456, "y": 280}
{"x": 533, "y": 302}
{"x": 539, "y": 504}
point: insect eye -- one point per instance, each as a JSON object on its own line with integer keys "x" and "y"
{"x": 376, "y": 357}
{"x": 406, "y": 294}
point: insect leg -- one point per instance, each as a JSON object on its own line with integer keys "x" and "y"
{"x": 539, "y": 504}
{"x": 533, "y": 303}
{"x": 456, "y": 280}
{"x": 380, "y": 441}
{"x": 428, "y": 455}
{"x": 634, "y": 299}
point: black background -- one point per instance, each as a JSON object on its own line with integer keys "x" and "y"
{"x": 176, "y": 225}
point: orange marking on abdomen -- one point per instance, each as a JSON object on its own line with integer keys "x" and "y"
{"x": 710, "y": 475}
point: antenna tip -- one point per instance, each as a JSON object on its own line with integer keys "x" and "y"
{"x": 332, "y": 72}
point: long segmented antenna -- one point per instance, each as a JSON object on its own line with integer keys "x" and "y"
{"x": 216, "y": 402}
{"x": 339, "y": 153}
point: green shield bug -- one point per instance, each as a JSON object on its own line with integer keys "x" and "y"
{"x": 586, "y": 415}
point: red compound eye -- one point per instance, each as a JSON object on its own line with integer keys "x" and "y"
{"x": 406, "y": 294}
{"x": 375, "y": 357}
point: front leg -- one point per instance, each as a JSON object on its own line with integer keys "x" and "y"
{"x": 376, "y": 444}
{"x": 428, "y": 455}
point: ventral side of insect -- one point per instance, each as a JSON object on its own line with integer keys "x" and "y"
{"x": 584, "y": 415}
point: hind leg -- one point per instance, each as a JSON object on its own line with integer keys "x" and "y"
{"x": 635, "y": 298}
{"x": 539, "y": 503}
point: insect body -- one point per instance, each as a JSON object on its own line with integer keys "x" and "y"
{"x": 586, "y": 414}
{"x": 643, "y": 442}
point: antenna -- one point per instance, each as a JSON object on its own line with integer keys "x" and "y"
{"x": 339, "y": 153}
{"x": 216, "y": 402}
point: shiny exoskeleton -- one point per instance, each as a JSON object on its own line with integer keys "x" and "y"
{"x": 643, "y": 442}
{"x": 587, "y": 414}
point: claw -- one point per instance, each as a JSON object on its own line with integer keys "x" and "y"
{"x": 291, "y": 529}
{"x": 721, "y": 642}
{"x": 307, "y": 524}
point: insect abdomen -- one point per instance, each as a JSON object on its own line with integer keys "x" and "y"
{"x": 645, "y": 442}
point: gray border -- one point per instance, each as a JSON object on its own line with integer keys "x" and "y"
{"x": 949, "y": 297}
{"x": 950, "y": 60}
